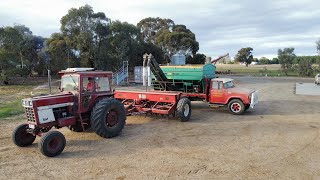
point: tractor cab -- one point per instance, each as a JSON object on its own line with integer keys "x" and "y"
{"x": 87, "y": 85}
{"x": 86, "y": 100}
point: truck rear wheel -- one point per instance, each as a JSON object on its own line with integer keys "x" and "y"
{"x": 108, "y": 117}
{"x": 184, "y": 109}
{"x": 236, "y": 107}
{"x": 21, "y": 137}
{"x": 52, "y": 143}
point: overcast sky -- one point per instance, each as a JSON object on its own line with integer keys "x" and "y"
{"x": 220, "y": 27}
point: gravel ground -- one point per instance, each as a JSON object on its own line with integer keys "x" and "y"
{"x": 277, "y": 140}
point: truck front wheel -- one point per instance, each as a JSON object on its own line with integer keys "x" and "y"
{"x": 108, "y": 117}
{"x": 184, "y": 109}
{"x": 21, "y": 137}
{"x": 236, "y": 107}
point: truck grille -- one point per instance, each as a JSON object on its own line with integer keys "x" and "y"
{"x": 30, "y": 114}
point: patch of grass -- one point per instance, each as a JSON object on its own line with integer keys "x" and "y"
{"x": 11, "y": 96}
{"x": 11, "y": 108}
{"x": 14, "y": 89}
{"x": 255, "y": 70}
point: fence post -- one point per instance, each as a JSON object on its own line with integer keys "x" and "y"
{"x": 49, "y": 81}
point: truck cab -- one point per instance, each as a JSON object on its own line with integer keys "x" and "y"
{"x": 223, "y": 92}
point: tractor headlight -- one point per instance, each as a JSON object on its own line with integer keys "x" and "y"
{"x": 23, "y": 102}
{"x": 26, "y": 102}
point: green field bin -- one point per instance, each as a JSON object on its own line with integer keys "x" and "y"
{"x": 189, "y": 72}
{"x": 187, "y": 78}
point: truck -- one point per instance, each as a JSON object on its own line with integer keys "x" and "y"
{"x": 199, "y": 83}
{"x": 86, "y": 99}
{"x": 317, "y": 79}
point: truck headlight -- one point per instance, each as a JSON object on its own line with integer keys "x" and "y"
{"x": 23, "y": 102}
{"x": 30, "y": 103}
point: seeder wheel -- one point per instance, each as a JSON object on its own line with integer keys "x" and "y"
{"x": 184, "y": 109}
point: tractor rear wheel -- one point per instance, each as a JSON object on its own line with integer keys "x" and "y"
{"x": 52, "y": 143}
{"x": 108, "y": 117}
{"x": 236, "y": 107}
{"x": 184, "y": 109}
{"x": 21, "y": 137}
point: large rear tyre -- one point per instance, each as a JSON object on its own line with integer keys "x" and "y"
{"x": 236, "y": 107}
{"x": 21, "y": 137}
{"x": 184, "y": 109}
{"x": 108, "y": 117}
{"x": 52, "y": 143}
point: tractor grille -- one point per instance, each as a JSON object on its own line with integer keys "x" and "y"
{"x": 30, "y": 114}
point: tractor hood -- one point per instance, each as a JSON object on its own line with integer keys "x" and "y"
{"x": 243, "y": 91}
{"x": 57, "y": 100}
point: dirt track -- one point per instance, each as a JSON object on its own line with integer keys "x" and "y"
{"x": 277, "y": 140}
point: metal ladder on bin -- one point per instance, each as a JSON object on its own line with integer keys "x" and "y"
{"x": 121, "y": 74}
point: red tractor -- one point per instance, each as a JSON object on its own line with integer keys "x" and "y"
{"x": 86, "y": 100}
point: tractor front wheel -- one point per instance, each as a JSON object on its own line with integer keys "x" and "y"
{"x": 52, "y": 143}
{"x": 236, "y": 107}
{"x": 184, "y": 109}
{"x": 108, "y": 117}
{"x": 21, "y": 137}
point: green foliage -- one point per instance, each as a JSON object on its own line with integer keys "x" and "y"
{"x": 84, "y": 31}
{"x": 264, "y": 60}
{"x": 61, "y": 55}
{"x": 18, "y": 49}
{"x": 286, "y": 57}
{"x": 180, "y": 38}
{"x": 124, "y": 43}
{"x": 156, "y": 52}
{"x": 90, "y": 39}
{"x": 150, "y": 28}
{"x": 305, "y": 67}
{"x": 170, "y": 37}
{"x": 274, "y": 61}
{"x": 312, "y": 59}
{"x": 255, "y": 60}
{"x": 196, "y": 59}
{"x": 244, "y": 55}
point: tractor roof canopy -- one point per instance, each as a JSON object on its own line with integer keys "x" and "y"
{"x": 85, "y": 72}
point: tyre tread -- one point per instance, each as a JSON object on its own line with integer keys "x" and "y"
{"x": 180, "y": 110}
{"x": 43, "y": 140}
{"x": 98, "y": 115}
